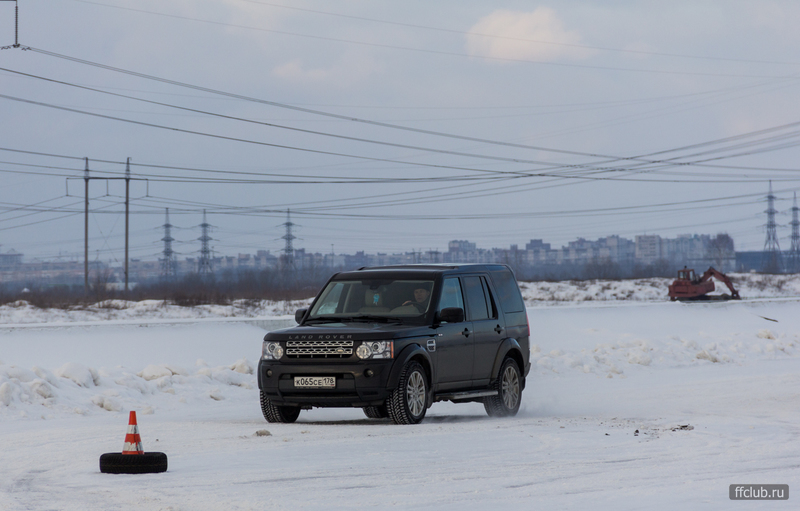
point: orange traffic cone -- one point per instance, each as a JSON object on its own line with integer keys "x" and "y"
{"x": 133, "y": 442}
{"x": 142, "y": 463}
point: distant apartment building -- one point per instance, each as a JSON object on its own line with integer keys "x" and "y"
{"x": 645, "y": 250}
{"x": 9, "y": 260}
{"x": 649, "y": 249}
{"x": 698, "y": 251}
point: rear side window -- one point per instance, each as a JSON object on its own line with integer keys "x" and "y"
{"x": 507, "y": 291}
{"x": 476, "y": 299}
{"x": 489, "y": 299}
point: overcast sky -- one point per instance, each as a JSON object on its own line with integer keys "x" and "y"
{"x": 392, "y": 126}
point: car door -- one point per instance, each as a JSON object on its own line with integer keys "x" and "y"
{"x": 487, "y": 325}
{"x": 454, "y": 341}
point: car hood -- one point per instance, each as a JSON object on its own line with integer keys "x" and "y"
{"x": 366, "y": 331}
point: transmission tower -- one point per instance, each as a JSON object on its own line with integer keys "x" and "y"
{"x": 794, "y": 251}
{"x": 168, "y": 265}
{"x": 204, "y": 266}
{"x": 771, "y": 261}
{"x": 288, "y": 250}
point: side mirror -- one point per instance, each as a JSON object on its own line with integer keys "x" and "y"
{"x": 299, "y": 315}
{"x": 451, "y": 315}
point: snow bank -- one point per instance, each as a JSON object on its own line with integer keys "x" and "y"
{"x": 614, "y": 359}
{"x": 77, "y": 389}
{"x": 21, "y": 312}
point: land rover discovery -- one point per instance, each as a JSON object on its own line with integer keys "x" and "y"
{"x": 393, "y": 340}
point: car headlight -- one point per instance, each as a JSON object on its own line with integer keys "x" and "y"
{"x": 375, "y": 350}
{"x": 271, "y": 351}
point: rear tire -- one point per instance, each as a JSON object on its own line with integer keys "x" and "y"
{"x": 408, "y": 403}
{"x": 147, "y": 463}
{"x": 509, "y": 391}
{"x": 275, "y": 413}
{"x": 376, "y": 412}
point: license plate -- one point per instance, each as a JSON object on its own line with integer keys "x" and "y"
{"x": 315, "y": 382}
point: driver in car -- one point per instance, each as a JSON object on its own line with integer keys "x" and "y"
{"x": 420, "y": 300}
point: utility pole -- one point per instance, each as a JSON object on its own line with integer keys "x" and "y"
{"x": 127, "y": 214}
{"x": 86, "y": 230}
{"x": 86, "y": 180}
{"x": 771, "y": 261}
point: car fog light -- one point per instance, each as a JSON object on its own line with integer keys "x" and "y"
{"x": 368, "y": 373}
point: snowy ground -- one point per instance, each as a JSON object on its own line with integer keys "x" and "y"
{"x": 653, "y": 405}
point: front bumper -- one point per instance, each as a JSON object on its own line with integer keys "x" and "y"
{"x": 354, "y": 388}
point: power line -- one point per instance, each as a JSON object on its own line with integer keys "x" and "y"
{"x": 291, "y": 128}
{"x": 349, "y": 118}
{"x": 446, "y": 53}
{"x": 316, "y": 112}
{"x": 323, "y": 113}
{"x": 495, "y": 36}
{"x": 261, "y": 143}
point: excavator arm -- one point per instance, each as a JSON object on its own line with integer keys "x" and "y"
{"x": 711, "y": 272}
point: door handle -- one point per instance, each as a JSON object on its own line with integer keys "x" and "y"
{"x": 498, "y": 329}
{"x": 466, "y": 332}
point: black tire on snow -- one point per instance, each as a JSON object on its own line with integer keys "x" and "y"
{"x": 376, "y": 412}
{"x": 275, "y": 413}
{"x": 509, "y": 391}
{"x": 408, "y": 403}
{"x": 147, "y": 463}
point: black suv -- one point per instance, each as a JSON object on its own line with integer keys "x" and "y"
{"x": 395, "y": 339}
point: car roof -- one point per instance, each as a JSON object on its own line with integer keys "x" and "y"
{"x": 417, "y": 270}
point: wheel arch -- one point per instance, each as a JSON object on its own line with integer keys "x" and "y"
{"x": 409, "y": 353}
{"x": 509, "y": 348}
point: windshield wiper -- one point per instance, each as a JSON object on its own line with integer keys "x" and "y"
{"x": 369, "y": 319}
{"x": 322, "y": 320}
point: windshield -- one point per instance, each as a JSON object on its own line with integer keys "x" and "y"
{"x": 343, "y": 299}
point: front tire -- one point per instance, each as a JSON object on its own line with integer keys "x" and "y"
{"x": 275, "y": 413}
{"x": 509, "y": 391}
{"x": 408, "y": 403}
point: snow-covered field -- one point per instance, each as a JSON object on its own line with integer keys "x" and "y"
{"x": 630, "y": 405}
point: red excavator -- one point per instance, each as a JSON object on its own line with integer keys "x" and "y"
{"x": 688, "y": 286}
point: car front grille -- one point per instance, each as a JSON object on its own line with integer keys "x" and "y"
{"x": 319, "y": 349}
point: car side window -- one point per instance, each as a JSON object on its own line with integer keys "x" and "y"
{"x": 476, "y": 299}
{"x": 489, "y": 299}
{"x": 451, "y": 294}
{"x": 507, "y": 291}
